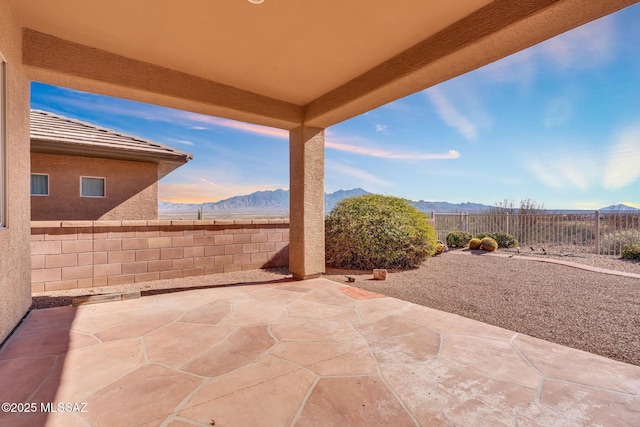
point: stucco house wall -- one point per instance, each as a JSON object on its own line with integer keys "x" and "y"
{"x": 15, "y": 250}
{"x": 131, "y": 189}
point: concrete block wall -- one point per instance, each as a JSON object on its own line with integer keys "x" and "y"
{"x": 85, "y": 254}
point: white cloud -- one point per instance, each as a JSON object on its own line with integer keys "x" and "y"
{"x": 231, "y": 124}
{"x": 195, "y": 121}
{"x": 184, "y": 142}
{"x": 588, "y": 46}
{"x": 450, "y": 115}
{"x": 558, "y": 112}
{"x": 615, "y": 166}
{"x": 349, "y": 173}
{"x": 519, "y": 67}
{"x": 382, "y": 128}
{"x": 623, "y": 163}
{"x": 162, "y": 114}
{"x": 565, "y": 169}
{"x": 590, "y": 205}
{"x": 337, "y": 144}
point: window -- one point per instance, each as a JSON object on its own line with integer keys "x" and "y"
{"x": 92, "y": 186}
{"x": 3, "y": 123}
{"x": 39, "y": 184}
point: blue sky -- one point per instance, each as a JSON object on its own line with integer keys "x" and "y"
{"x": 558, "y": 123}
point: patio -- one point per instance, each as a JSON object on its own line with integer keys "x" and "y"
{"x": 314, "y": 352}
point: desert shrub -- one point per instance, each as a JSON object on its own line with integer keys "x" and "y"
{"x": 612, "y": 243}
{"x": 631, "y": 251}
{"x": 374, "y": 231}
{"x": 489, "y": 244}
{"x": 458, "y": 239}
{"x": 475, "y": 243}
{"x": 504, "y": 240}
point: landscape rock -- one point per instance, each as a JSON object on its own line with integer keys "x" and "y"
{"x": 379, "y": 274}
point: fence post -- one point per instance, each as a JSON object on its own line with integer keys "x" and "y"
{"x": 598, "y": 232}
{"x": 507, "y": 222}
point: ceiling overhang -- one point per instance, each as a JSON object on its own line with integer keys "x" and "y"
{"x": 63, "y": 63}
{"x": 483, "y": 35}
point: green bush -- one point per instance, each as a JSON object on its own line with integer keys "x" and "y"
{"x": 489, "y": 244}
{"x": 458, "y": 239}
{"x": 475, "y": 243}
{"x": 503, "y": 239}
{"x": 631, "y": 251}
{"x": 374, "y": 231}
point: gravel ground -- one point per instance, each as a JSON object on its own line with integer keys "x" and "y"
{"x": 595, "y": 312}
{"x": 610, "y": 262}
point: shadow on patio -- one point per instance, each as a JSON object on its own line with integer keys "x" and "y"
{"x": 300, "y": 353}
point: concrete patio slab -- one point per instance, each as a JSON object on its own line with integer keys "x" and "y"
{"x": 299, "y": 353}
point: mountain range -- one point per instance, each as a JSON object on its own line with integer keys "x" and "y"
{"x": 260, "y": 201}
{"x": 277, "y": 201}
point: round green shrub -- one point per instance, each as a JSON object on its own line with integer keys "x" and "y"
{"x": 373, "y": 231}
{"x": 488, "y": 244}
{"x": 475, "y": 243}
{"x": 631, "y": 251}
{"x": 504, "y": 240}
{"x": 458, "y": 239}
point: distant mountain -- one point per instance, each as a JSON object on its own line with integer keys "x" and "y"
{"x": 330, "y": 200}
{"x": 620, "y": 208}
{"x": 260, "y": 200}
{"x": 170, "y": 206}
{"x": 277, "y": 201}
{"x": 446, "y": 207}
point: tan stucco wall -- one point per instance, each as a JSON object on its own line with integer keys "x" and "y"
{"x": 131, "y": 189}
{"x": 85, "y": 254}
{"x": 15, "y": 264}
{"x": 306, "y": 210}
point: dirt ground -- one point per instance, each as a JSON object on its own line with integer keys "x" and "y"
{"x": 595, "y": 312}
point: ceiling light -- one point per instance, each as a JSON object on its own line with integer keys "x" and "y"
{"x": 256, "y": 1}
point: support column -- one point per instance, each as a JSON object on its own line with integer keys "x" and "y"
{"x": 306, "y": 208}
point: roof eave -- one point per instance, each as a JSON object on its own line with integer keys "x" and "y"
{"x": 115, "y": 153}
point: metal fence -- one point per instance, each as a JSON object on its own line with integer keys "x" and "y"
{"x": 592, "y": 232}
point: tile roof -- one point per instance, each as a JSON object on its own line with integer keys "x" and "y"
{"x": 52, "y": 129}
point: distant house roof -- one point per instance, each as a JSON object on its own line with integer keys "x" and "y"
{"x": 55, "y": 134}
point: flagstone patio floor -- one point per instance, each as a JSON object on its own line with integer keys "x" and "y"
{"x": 303, "y": 353}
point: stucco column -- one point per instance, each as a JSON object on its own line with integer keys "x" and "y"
{"x": 306, "y": 211}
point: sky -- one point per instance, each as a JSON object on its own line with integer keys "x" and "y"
{"x": 558, "y": 123}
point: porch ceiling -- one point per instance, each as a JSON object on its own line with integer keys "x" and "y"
{"x": 284, "y": 61}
